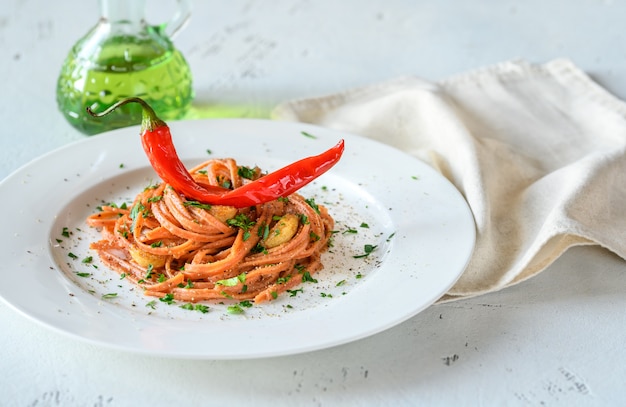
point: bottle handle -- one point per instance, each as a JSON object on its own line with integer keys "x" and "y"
{"x": 179, "y": 20}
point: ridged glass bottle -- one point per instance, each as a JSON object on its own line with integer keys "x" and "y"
{"x": 123, "y": 56}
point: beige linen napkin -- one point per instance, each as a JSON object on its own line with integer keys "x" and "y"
{"x": 538, "y": 152}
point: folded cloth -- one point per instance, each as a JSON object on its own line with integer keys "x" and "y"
{"x": 538, "y": 152}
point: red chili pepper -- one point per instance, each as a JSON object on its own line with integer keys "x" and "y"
{"x": 157, "y": 143}
{"x": 284, "y": 181}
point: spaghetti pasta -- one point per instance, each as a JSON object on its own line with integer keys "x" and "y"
{"x": 190, "y": 251}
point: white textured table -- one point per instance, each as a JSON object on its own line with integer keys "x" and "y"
{"x": 558, "y": 339}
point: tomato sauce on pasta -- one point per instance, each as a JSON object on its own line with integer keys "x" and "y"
{"x": 171, "y": 246}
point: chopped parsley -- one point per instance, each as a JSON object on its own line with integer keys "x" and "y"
{"x": 151, "y": 186}
{"x": 188, "y": 285}
{"x": 307, "y": 134}
{"x": 168, "y": 298}
{"x": 243, "y": 222}
{"x": 368, "y": 248}
{"x": 202, "y": 308}
{"x": 233, "y": 281}
{"x": 195, "y": 307}
{"x": 149, "y": 271}
{"x": 283, "y": 280}
{"x": 306, "y": 277}
{"x": 136, "y": 210}
{"x": 197, "y": 204}
{"x": 235, "y": 309}
{"x": 293, "y": 293}
{"x": 239, "y": 308}
{"x": 312, "y": 204}
{"x": 223, "y": 181}
{"x": 259, "y": 249}
{"x": 246, "y": 172}
{"x": 264, "y": 231}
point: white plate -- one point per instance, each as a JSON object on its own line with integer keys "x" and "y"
{"x": 421, "y": 226}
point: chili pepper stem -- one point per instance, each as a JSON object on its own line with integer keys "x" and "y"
{"x": 149, "y": 121}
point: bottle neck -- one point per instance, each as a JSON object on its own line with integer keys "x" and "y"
{"x": 126, "y": 12}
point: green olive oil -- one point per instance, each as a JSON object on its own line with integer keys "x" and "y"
{"x": 120, "y": 67}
